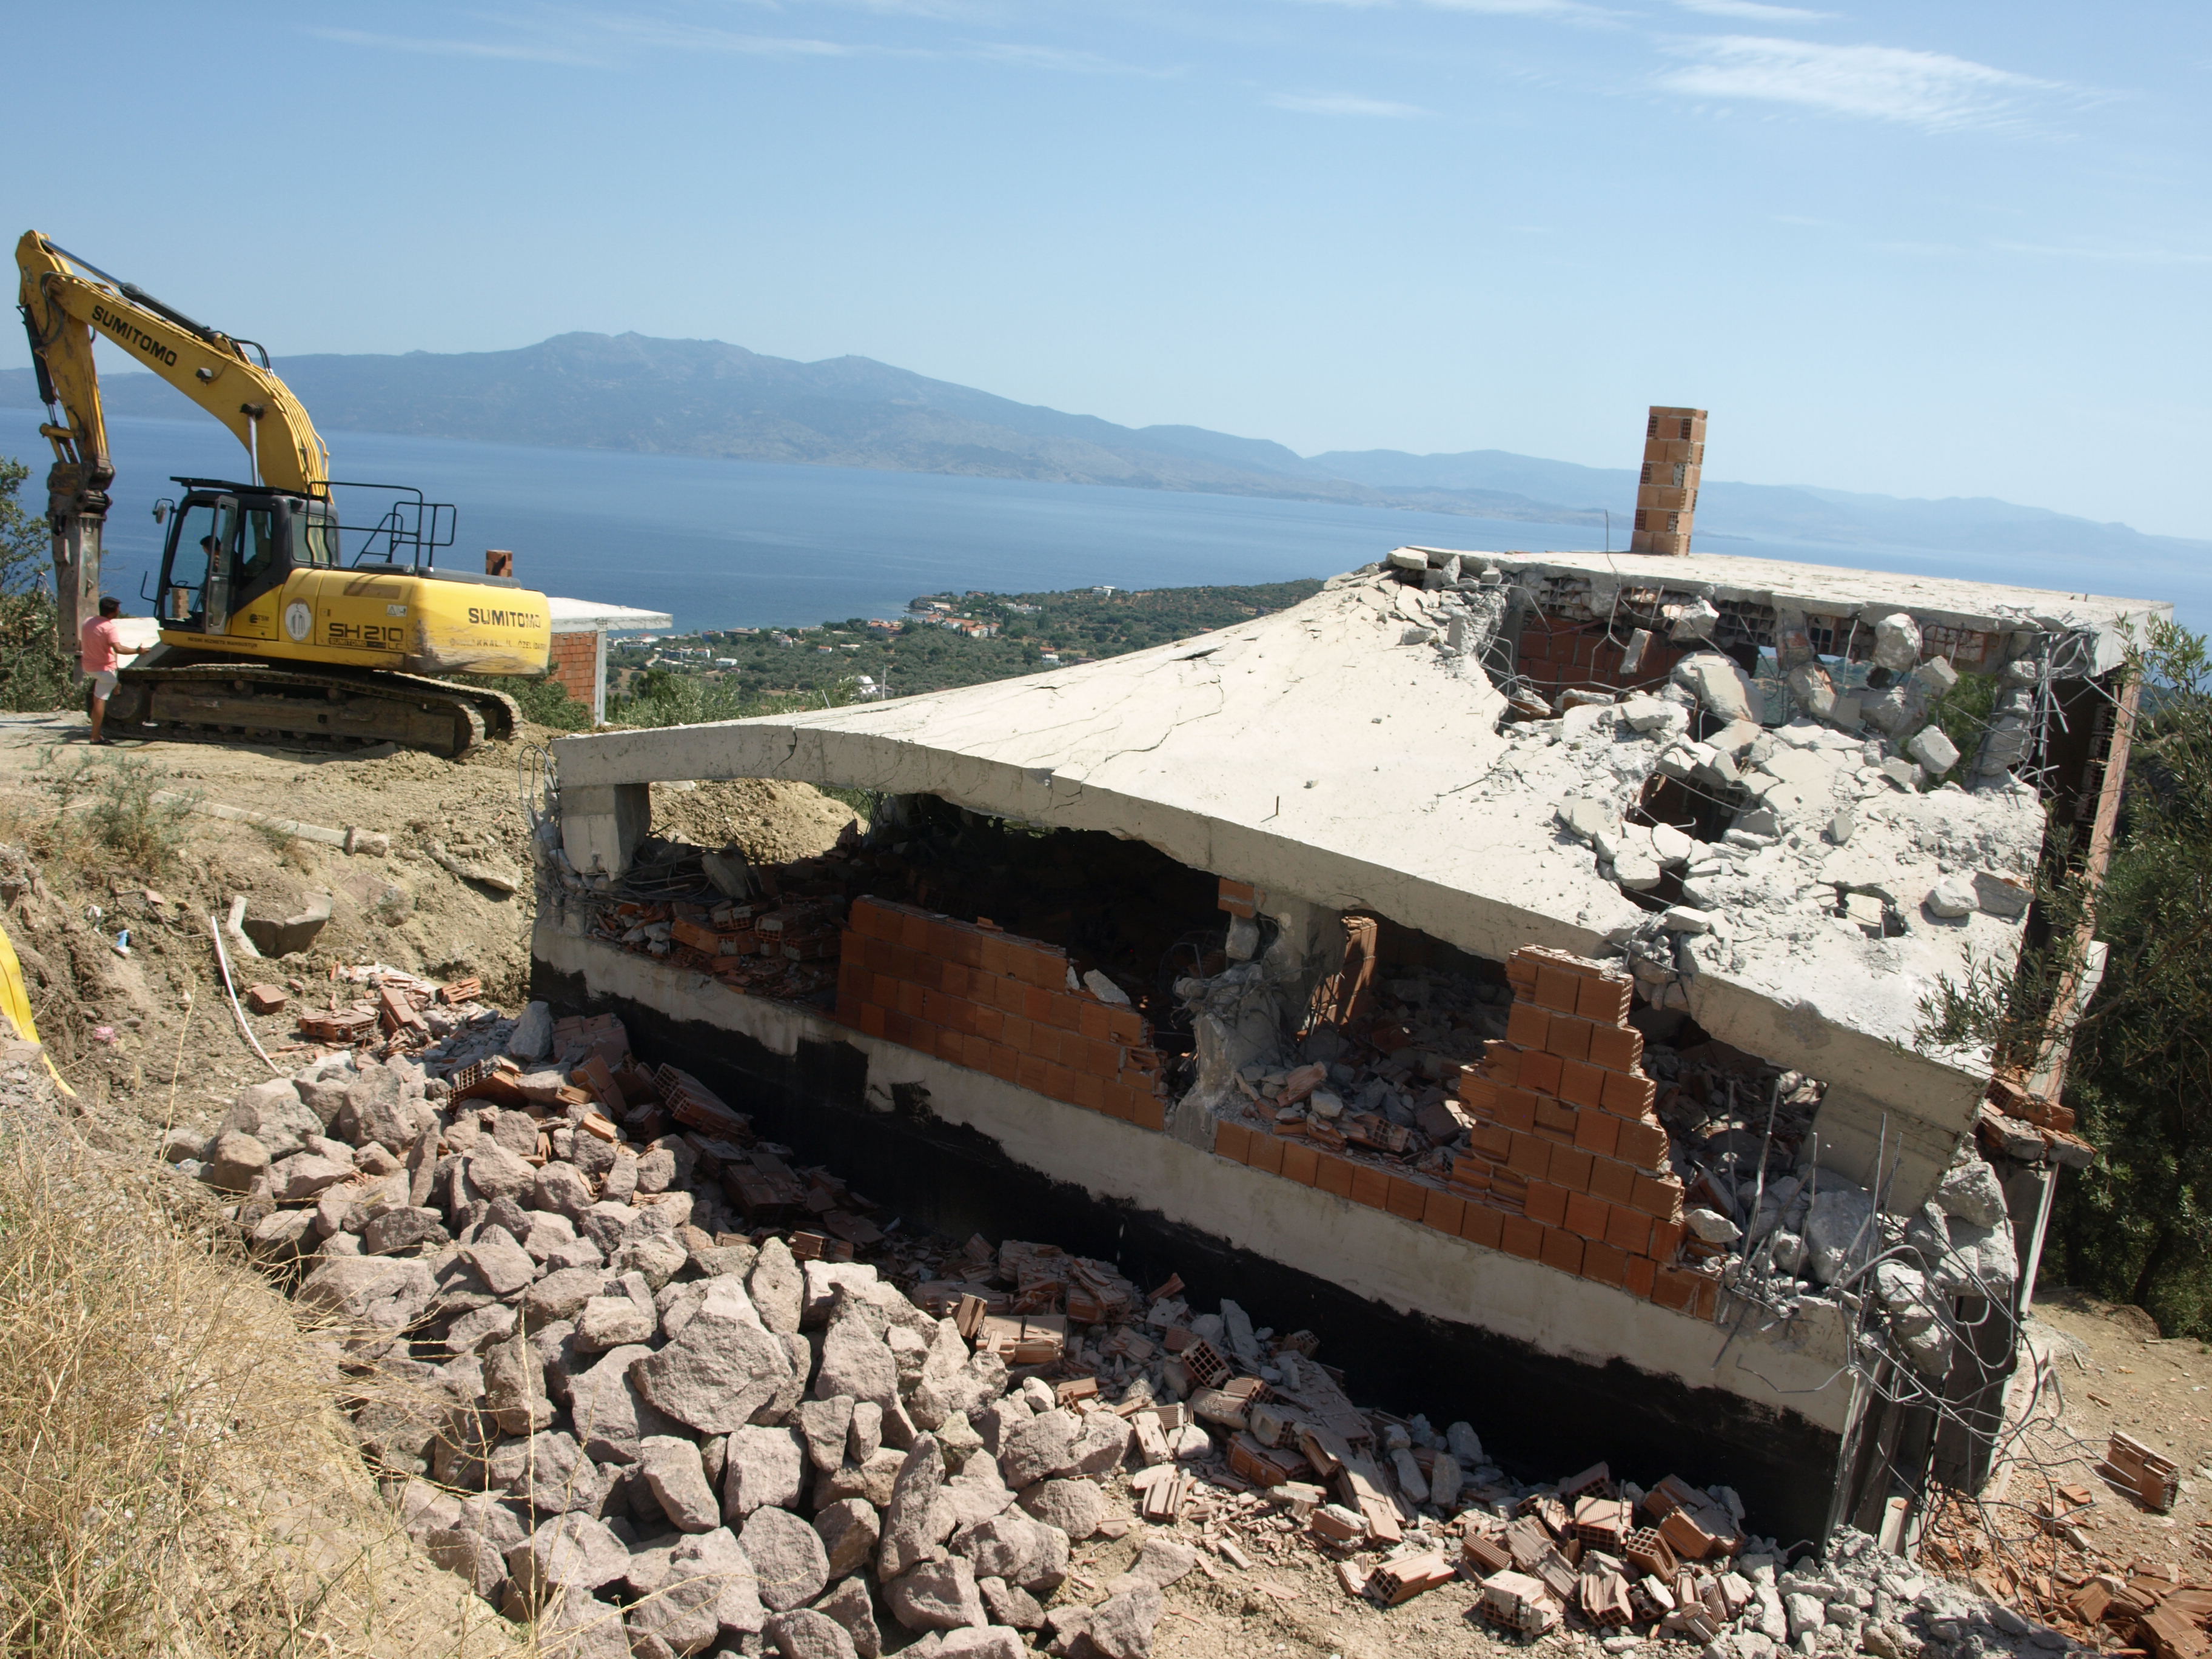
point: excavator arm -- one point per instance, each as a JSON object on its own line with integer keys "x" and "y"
{"x": 65, "y": 302}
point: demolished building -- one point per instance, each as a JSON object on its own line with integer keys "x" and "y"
{"x": 1515, "y": 963}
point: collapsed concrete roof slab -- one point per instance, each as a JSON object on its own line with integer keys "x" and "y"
{"x": 1352, "y": 752}
{"x": 2098, "y": 625}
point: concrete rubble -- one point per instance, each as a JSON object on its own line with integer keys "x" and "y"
{"x": 622, "y": 1369}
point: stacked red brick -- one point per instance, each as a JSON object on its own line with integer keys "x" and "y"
{"x": 1556, "y": 654}
{"x": 1567, "y": 1163}
{"x": 981, "y": 997}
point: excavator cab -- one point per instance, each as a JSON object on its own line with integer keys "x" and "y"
{"x": 229, "y": 544}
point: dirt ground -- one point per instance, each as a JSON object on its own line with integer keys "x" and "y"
{"x": 2101, "y": 1368}
{"x": 151, "y": 1029}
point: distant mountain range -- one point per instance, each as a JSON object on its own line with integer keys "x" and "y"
{"x": 703, "y": 398}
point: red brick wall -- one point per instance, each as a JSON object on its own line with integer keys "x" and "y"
{"x": 575, "y": 664}
{"x": 986, "y": 999}
{"x": 1555, "y": 655}
{"x": 1567, "y": 1163}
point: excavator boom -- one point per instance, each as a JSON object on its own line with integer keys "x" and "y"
{"x": 65, "y": 301}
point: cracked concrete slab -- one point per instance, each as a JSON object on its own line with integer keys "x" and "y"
{"x": 1353, "y": 753}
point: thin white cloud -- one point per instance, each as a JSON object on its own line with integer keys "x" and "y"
{"x": 1573, "y": 10}
{"x": 1021, "y": 56}
{"x": 701, "y": 37}
{"x": 1927, "y": 89}
{"x": 1344, "y": 103}
{"x": 2114, "y": 253}
{"x": 526, "y": 52}
{"x": 1754, "y": 11}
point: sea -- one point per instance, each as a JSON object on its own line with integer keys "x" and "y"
{"x": 726, "y": 543}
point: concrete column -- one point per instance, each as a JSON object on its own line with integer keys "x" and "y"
{"x": 603, "y": 825}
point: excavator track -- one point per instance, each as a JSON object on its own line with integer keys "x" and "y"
{"x": 344, "y": 708}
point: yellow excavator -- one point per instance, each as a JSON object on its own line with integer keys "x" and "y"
{"x": 267, "y": 630}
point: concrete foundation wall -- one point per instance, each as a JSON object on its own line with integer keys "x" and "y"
{"x": 1408, "y": 1267}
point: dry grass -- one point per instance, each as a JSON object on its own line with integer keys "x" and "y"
{"x": 174, "y": 1478}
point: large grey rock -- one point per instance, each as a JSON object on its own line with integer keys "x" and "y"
{"x": 548, "y": 1472}
{"x": 1981, "y": 1261}
{"x": 576, "y": 1625}
{"x": 274, "y": 1114}
{"x": 470, "y": 1555}
{"x": 571, "y": 1551}
{"x": 705, "y": 1588}
{"x": 377, "y": 1111}
{"x": 827, "y": 1425}
{"x": 996, "y": 1421}
{"x": 612, "y": 1322}
{"x": 283, "y": 1236}
{"x": 235, "y": 1162}
{"x": 607, "y": 1224}
{"x": 939, "y": 1594}
{"x": 976, "y": 1493}
{"x": 1121, "y": 1626}
{"x": 1896, "y": 647}
{"x": 824, "y": 1279}
{"x": 1837, "y": 1231}
{"x": 409, "y": 1227}
{"x": 612, "y": 1418}
{"x": 514, "y": 1385}
{"x": 787, "y": 1555}
{"x": 762, "y": 1468}
{"x": 494, "y": 1172}
{"x": 969, "y": 1388}
{"x": 560, "y": 1189}
{"x": 659, "y": 1256}
{"x": 1970, "y": 1191}
{"x": 913, "y": 1526}
{"x": 673, "y": 1470}
{"x": 561, "y": 1295}
{"x": 1160, "y": 1562}
{"x": 296, "y": 1179}
{"x": 1039, "y": 1449}
{"x": 719, "y": 1371}
{"x": 1010, "y": 1604}
{"x": 849, "y": 1531}
{"x": 502, "y": 1264}
{"x": 1077, "y": 1507}
{"x": 856, "y": 1362}
{"x": 803, "y": 1633}
{"x": 855, "y": 1610}
{"x": 532, "y": 1036}
{"x": 383, "y": 1292}
{"x": 777, "y": 1287}
{"x": 874, "y": 1482}
{"x": 985, "y": 1641}
{"x": 1016, "y": 1547}
{"x": 865, "y": 1439}
{"x": 1102, "y": 1440}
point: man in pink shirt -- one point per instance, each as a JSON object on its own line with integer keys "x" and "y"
{"x": 99, "y": 653}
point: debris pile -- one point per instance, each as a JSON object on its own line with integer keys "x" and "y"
{"x": 622, "y": 1369}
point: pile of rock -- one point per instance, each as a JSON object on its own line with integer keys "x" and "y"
{"x": 657, "y": 1440}
{"x": 653, "y": 1439}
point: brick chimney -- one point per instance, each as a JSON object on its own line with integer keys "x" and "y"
{"x": 1666, "y": 494}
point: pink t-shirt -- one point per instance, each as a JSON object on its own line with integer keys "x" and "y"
{"x": 96, "y": 646}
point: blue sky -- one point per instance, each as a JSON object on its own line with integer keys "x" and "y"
{"x": 1929, "y": 249}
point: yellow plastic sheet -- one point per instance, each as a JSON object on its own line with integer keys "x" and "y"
{"x": 15, "y": 1004}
